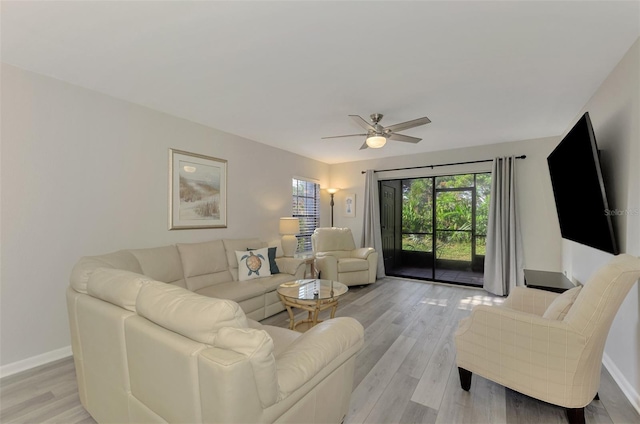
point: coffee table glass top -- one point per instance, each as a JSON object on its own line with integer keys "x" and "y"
{"x": 312, "y": 289}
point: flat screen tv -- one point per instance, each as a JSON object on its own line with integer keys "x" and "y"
{"x": 579, "y": 191}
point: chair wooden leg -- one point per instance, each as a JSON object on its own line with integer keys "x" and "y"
{"x": 575, "y": 415}
{"x": 465, "y": 378}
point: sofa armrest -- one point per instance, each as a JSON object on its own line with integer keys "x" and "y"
{"x": 323, "y": 348}
{"x": 257, "y": 347}
{"x": 362, "y": 253}
{"x": 529, "y": 300}
{"x": 293, "y": 266}
{"x": 501, "y": 324}
{"x": 327, "y": 266}
{"x": 227, "y": 382}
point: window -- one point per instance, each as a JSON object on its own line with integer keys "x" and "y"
{"x": 306, "y": 206}
{"x": 459, "y": 218}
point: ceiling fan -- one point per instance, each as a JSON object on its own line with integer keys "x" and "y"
{"x": 377, "y": 135}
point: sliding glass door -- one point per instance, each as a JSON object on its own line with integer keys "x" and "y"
{"x": 443, "y": 228}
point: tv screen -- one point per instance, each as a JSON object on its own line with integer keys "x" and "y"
{"x": 578, "y": 188}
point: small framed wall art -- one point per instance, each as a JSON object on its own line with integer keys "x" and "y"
{"x": 350, "y": 205}
{"x": 197, "y": 191}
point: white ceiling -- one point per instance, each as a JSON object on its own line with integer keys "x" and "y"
{"x": 287, "y": 73}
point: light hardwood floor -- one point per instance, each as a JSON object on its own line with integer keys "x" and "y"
{"x": 405, "y": 373}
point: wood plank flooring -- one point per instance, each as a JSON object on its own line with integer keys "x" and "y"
{"x": 405, "y": 373}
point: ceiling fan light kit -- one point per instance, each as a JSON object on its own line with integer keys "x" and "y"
{"x": 376, "y": 141}
{"x": 377, "y": 135}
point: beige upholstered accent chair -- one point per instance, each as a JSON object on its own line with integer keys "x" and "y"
{"x": 338, "y": 259}
{"x": 555, "y": 360}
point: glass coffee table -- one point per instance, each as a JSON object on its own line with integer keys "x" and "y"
{"x": 313, "y": 296}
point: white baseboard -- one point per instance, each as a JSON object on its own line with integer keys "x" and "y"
{"x": 618, "y": 376}
{"x": 34, "y": 361}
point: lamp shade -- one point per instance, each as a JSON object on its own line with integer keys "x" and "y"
{"x": 289, "y": 226}
{"x": 376, "y": 141}
{"x": 333, "y": 190}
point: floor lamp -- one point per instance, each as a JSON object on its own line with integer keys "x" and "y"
{"x": 332, "y": 191}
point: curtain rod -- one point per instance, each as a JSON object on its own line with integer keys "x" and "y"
{"x": 442, "y": 164}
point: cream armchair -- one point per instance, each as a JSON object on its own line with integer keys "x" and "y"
{"x": 338, "y": 259}
{"x": 519, "y": 345}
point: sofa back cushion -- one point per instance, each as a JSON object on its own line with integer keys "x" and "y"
{"x": 233, "y": 245}
{"x": 332, "y": 239}
{"x": 205, "y": 264}
{"x": 116, "y": 286}
{"x": 161, "y": 264}
{"x": 189, "y": 314}
{"x": 83, "y": 269}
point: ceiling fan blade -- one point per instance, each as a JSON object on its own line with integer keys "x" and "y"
{"x": 400, "y": 137}
{"x": 364, "y": 146}
{"x": 409, "y": 124}
{"x": 361, "y": 122}
{"x": 341, "y": 136}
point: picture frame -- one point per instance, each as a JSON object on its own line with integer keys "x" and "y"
{"x": 197, "y": 191}
{"x": 350, "y": 205}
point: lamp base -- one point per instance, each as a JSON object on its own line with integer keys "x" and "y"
{"x": 289, "y": 245}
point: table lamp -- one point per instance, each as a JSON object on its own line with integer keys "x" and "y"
{"x": 289, "y": 227}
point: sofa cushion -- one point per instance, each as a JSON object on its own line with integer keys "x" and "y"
{"x": 204, "y": 264}
{"x": 161, "y": 264}
{"x": 271, "y": 283}
{"x": 116, "y": 286}
{"x": 352, "y": 265}
{"x": 253, "y": 264}
{"x": 234, "y": 290}
{"x": 192, "y": 315}
{"x": 82, "y": 270}
{"x": 273, "y": 265}
{"x": 291, "y": 266}
{"x": 560, "y": 306}
{"x": 282, "y": 338}
{"x": 278, "y": 245}
{"x": 233, "y": 245}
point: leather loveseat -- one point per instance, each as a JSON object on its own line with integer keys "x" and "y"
{"x": 160, "y": 351}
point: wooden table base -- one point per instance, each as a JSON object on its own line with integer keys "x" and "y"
{"x": 313, "y": 307}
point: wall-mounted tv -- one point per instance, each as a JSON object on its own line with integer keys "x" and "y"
{"x": 579, "y": 191}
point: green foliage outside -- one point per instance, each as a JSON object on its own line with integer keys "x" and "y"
{"x": 454, "y": 215}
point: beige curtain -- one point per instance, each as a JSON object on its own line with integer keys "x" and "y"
{"x": 503, "y": 263}
{"x": 371, "y": 233}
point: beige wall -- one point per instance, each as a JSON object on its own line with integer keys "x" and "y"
{"x": 84, "y": 173}
{"x": 614, "y": 110}
{"x": 540, "y": 230}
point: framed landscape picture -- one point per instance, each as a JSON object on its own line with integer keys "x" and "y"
{"x": 197, "y": 191}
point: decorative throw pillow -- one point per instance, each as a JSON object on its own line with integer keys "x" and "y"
{"x": 560, "y": 306}
{"x": 253, "y": 264}
{"x": 273, "y": 266}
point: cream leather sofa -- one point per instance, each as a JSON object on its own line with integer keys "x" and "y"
{"x": 152, "y": 351}
{"x": 338, "y": 259}
{"x": 208, "y": 268}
